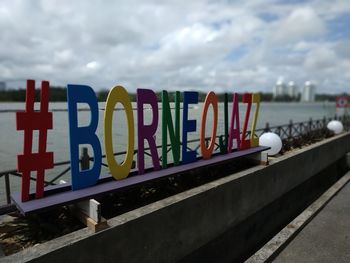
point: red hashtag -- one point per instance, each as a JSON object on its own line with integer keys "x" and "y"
{"x": 28, "y": 121}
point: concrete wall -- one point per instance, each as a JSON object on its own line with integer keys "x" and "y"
{"x": 173, "y": 228}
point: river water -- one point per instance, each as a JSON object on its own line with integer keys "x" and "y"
{"x": 11, "y": 140}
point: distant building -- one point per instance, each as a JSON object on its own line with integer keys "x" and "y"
{"x": 308, "y": 94}
{"x": 292, "y": 90}
{"x": 2, "y": 85}
{"x": 279, "y": 89}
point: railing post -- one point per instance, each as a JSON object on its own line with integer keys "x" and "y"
{"x": 290, "y": 129}
{"x": 8, "y": 189}
{"x": 310, "y": 124}
{"x": 85, "y": 159}
{"x": 267, "y": 127}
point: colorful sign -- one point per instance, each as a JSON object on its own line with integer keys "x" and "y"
{"x": 78, "y": 135}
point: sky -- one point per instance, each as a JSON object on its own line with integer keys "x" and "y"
{"x": 224, "y": 46}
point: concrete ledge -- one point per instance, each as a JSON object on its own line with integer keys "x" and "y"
{"x": 170, "y": 229}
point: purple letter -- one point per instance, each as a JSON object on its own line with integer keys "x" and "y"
{"x": 145, "y": 96}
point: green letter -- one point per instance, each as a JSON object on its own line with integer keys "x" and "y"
{"x": 167, "y": 124}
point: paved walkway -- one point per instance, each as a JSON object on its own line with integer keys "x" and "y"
{"x": 326, "y": 238}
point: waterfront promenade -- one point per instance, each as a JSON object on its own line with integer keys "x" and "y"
{"x": 326, "y": 238}
{"x": 319, "y": 234}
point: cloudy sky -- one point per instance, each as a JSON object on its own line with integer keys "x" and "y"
{"x": 179, "y": 44}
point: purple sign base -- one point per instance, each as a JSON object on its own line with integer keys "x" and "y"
{"x": 59, "y": 195}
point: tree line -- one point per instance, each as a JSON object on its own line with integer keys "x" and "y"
{"x": 60, "y": 94}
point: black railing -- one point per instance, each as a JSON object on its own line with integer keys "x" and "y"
{"x": 296, "y": 134}
{"x": 293, "y": 135}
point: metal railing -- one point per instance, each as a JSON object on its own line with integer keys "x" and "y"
{"x": 293, "y": 135}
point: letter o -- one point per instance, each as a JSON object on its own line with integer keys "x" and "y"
{"x": 118, "y": 94}
{"x": 209, "y": 99}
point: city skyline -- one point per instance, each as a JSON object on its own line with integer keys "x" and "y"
{"x": 304, "y": 93}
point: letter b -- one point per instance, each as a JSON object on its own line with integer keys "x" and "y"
{"x": 83, "y": 135}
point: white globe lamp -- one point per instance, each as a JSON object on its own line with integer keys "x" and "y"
{"x": 271, "y": 140}
{"x": 335, "y": 126}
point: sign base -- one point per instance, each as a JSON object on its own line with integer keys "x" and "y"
{"x": 59, "y": 195}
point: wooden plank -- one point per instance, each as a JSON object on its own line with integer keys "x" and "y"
{"x": 62, "y": 195}
{"x": 90, "y": 223}
{"x": 260, "y": 158}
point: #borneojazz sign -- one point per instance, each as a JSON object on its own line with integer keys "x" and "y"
{"x": 41, "y": 120}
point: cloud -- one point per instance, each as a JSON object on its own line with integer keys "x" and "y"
{"x": 93, "y": 65}
{"x": 301, "y": 23}
{"x": 320, "y": 58}
{"x": 199, "y": 45}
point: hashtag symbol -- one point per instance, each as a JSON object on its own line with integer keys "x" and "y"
{"x": 28, "y": 121}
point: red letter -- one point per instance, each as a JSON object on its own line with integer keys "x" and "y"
{"x": 234, "y": 133}
{"x": 28, "y": 121}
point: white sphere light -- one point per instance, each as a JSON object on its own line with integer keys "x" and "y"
{"x": 271, "y": 140}
{"x": 335, "y": 126}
